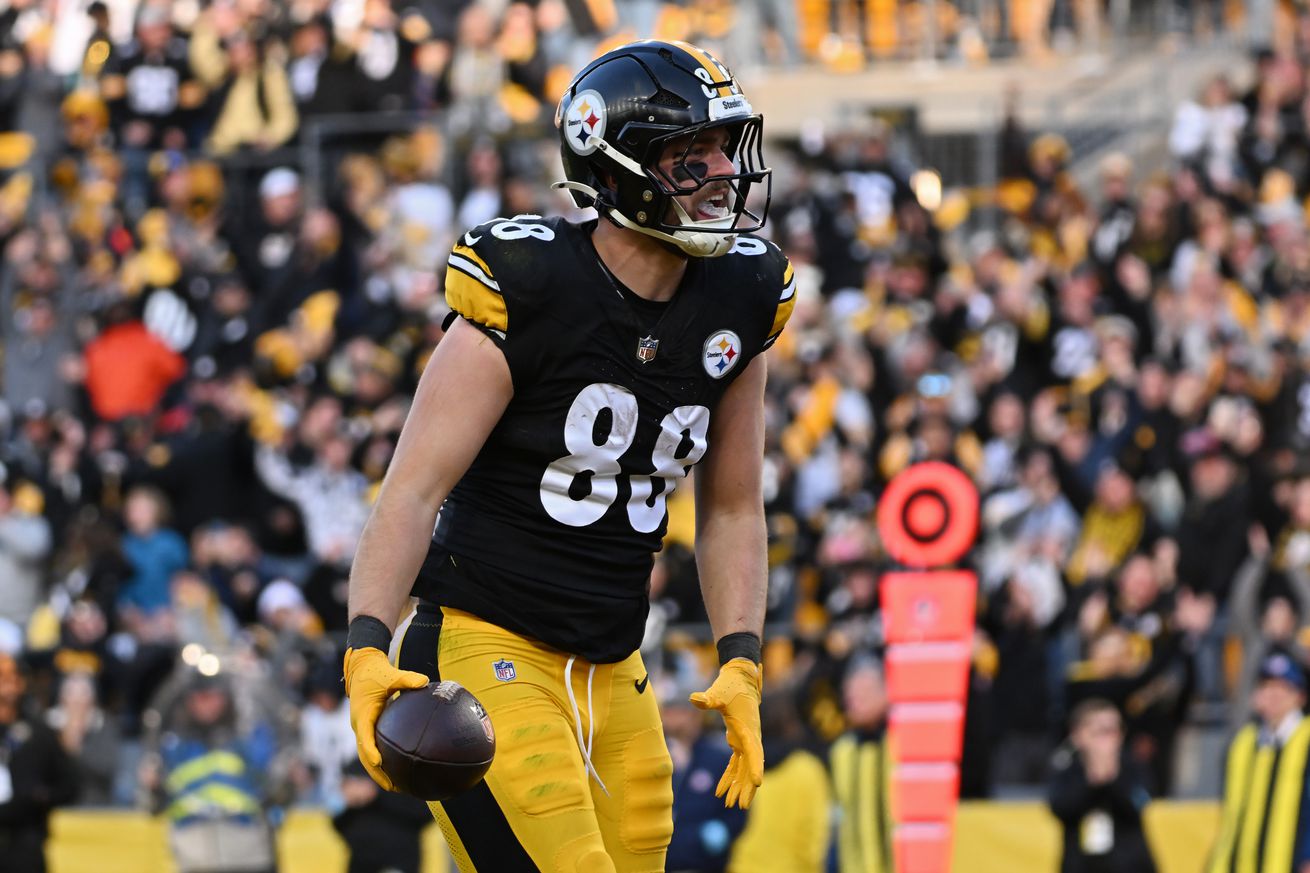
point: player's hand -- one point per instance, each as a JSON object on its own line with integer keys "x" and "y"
{"x": 370, "y": 682}
{"x": 736, "y": 694}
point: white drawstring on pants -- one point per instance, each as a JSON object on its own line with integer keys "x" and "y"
{"x": 577, "y": 718}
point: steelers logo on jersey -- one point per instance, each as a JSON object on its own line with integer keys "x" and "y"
{"x": 722, "y": 351}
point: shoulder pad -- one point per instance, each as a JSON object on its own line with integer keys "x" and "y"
{"x": 472, "y": 289}
{"x": 498, "y": 263}
{"x": 760, "y": 269}
{"x": 500, "y": 231}
{"x": 780, "y": 281}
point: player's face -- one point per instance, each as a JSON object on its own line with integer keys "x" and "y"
{"x": 688, "y": 161}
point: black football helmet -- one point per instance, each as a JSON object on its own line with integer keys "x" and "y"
{"x": 616, "y": 120}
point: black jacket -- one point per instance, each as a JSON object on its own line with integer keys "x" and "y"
{"x": 384, "y": 834}
{"x": 42, "y": 777}
{"x": 1072, "y": 800}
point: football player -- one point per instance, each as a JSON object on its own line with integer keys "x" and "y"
{"x": 586, "y": 368}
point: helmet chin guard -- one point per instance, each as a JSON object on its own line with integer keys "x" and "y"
{"x": 617, "y": 123}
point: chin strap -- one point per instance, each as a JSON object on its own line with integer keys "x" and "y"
{"x": 696, "y": 244}
{"x": 584, "y": 190}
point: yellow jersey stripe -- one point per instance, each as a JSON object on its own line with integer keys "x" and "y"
{"x": 474, "y": 300}
{"x": 786, "y": 302}
{"x": 458, "y": 262}
{"x": 464, "y": 251}
{"x": 707, "y": 62}
{"x": 780, "y": 318}
{"x": 457, "y": 850}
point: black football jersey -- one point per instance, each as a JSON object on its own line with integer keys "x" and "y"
{"x": 551, "y": 532}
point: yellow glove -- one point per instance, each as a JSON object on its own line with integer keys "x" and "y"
{"x": 370, "y": 682}
{"x": 736, "y": 694}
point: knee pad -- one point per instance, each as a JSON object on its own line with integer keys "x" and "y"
{"x": 584, "y": 855}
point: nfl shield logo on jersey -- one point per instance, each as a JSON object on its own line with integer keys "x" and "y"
{"x": 646, "y": 348}
{"x": 505, "y": 671}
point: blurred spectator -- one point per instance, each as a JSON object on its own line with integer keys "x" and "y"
{"x": 1206, "y": 131}
{"x": 128, "y": 368}
{"x": 481, "y": 200}
{"x": 788, "y": 825}
{"x": 1114, "y": 525}
{"x": 1212, "y": 532}
{"x": 25, "y": 541}
{"x": 267, "y": 252}
{"x": 1211, "y": 543}
{"x": 860, "y": 766}
{"x": 384, "y": 55}
{"x": 1031, "y": 522}
{"x": 40, "y": 346}
{"x": 257, "y": 110}
{"x": 1265, "y": 814}
{"x": 149, "y": 85}
{"x": 422, "y": 210}
{"x": 329, "y": 493}
{"x": 288, "y": 633}
{"x": 319, "y": 75}
{"x": 1137, "y": 646}
{"x": 1019, "y": 622}
{"x": 226, "y": 555}
{"x": 1099, "y": 796}
{"x": 1267, "y": 607}
{"x": 203, "y": 465}
{"x": 199, "y": 617}
{"x": 89, "y": 736}
{"x": 35, "y": 776}
{"x": 13, "y": 65}
{"x": 155, "y": 552}
{"x": 153, "y": 98}
{"x": 477, "y": 73}
{"x": 212, "y": 769}
{"x": 1118, "y": 210}
{"x": 703, "y": 829}
{"x": 326, "y": 738}
{"x": 381, "y": 829}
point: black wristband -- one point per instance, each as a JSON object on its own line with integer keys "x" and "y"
{"x": 367, "y": 632}
{"x": 742, "y": 644}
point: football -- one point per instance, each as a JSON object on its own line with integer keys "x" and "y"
{"x": 436, "y": 741}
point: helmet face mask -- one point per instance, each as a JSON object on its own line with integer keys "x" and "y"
{"x": 687, "y": 174}
{"x": 635, "y": 127}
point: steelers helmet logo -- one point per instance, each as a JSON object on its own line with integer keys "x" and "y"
{"x": 721, "y": 354}
{"x": 584, "y": 122}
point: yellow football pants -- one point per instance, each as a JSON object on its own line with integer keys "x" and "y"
{"x": 540, "y": 809}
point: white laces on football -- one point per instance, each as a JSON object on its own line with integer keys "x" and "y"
{"x": 585, "y": 747}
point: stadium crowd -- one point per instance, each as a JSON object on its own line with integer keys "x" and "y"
{"x": 209, "y": 344}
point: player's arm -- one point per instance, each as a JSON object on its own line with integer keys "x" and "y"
{"x": 730, "y": 532}
{"x": 461, "y": 395}
{"x": 731, "y": 558}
